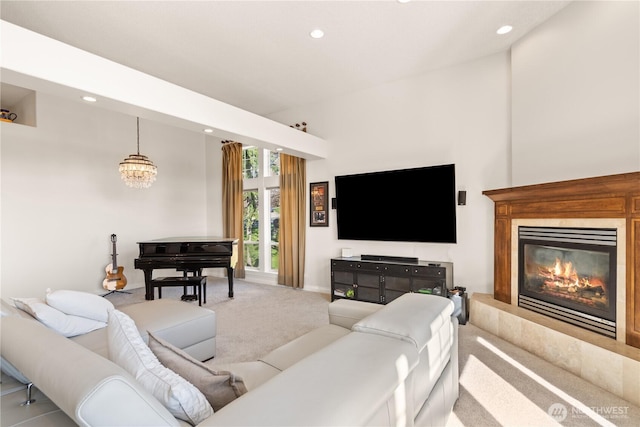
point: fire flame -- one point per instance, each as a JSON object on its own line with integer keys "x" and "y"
{"x": 564, "y": 275}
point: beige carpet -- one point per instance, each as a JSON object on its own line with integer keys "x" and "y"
{"x": 258, "y": 319}
{"x": 500, "y": 384}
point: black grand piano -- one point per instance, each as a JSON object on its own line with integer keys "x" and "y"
{"x": 186, "y": 254}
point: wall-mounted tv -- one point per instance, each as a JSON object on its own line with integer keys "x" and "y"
{"x": 406, "y": 205}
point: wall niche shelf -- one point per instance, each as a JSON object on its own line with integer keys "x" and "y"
{"x": 20, "y": 101}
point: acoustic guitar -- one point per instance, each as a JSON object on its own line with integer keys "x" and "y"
{"x": 115, "y": 277}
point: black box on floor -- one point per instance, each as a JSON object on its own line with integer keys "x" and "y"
{"x": 460, "y": 302}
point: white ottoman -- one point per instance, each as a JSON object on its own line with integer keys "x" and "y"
{"x": 188, "y": 327}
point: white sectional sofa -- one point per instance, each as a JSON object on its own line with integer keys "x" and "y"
{"x": 372, "y": 365}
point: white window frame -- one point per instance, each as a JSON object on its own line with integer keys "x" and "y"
{"x": 262, "y": 184}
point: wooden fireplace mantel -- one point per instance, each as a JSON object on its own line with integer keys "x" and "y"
{"x": 612, "y": 196}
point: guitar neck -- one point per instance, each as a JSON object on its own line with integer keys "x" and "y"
{"x": 114, "y": 257}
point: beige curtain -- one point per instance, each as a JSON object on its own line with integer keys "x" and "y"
{"x": 232, "y": 199}
{"x": 293, "y": 220}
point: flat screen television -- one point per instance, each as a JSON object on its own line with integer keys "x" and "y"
{"x": 406, "y": 205}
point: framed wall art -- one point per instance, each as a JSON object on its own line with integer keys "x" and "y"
{"x": 319, "y": 199}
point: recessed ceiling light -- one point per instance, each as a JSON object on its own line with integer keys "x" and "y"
{"x": 279, "y": 149}
{"x": 207, "y": 130}
{"x": 404, "y": 1}
{"x": 89, "y": 98}
{"x": 504, "y": 29}
{"x": 317, "y": 33}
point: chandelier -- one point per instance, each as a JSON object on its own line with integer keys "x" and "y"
{"x": 137, "y": 171}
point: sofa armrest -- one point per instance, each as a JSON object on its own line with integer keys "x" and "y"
{"x": 346, "y": 312}
{"x": 90, "y": 389}
{"x": 414, "y": 318}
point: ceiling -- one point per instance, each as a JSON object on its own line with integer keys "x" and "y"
{"x": 258, "y": 55}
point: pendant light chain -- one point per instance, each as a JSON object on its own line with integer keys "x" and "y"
{"x": 138, "y": 130}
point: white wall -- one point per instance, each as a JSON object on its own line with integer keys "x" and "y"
{"x": 456, "y": 115}
{"x": 576, "y": 108}
{"x": 213, "y": 156}
{"x": 62, "y": 196}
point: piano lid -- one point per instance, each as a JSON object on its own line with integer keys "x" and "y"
{"x": 188, "y": 247}
{"x": 192, "y": 239}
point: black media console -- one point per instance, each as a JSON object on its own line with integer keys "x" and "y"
{"x": 381, "y": 279}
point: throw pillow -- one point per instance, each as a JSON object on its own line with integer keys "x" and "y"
{"x": 66, "y": 325}
{"x": 219, "y": 387}
{"x": 127, "y": 349}
{"x": 81, "y": 304}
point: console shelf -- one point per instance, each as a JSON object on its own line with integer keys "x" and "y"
{"x": 383, "y": 281}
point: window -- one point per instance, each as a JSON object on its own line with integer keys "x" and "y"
{"x": 250, "y": 163}
{"x": 251, "y": 233}
{"x": 274, "y": 226}
{"x": 261, "y": 209}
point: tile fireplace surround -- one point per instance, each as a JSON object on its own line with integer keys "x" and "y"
{"x": 608, "y": 202}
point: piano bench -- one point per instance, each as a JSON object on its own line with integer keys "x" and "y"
{"x": 199, "y": 284}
